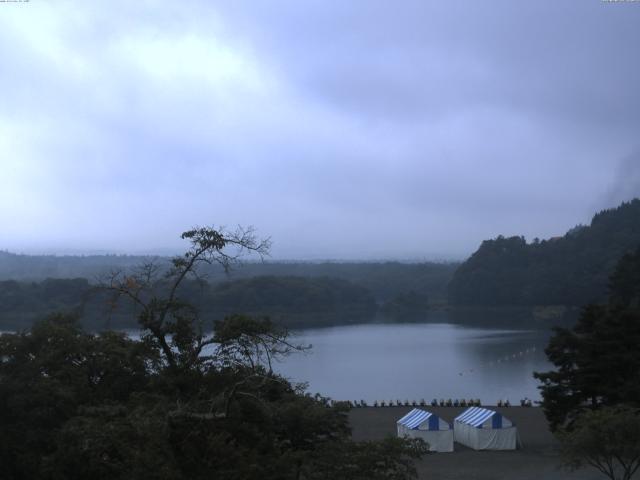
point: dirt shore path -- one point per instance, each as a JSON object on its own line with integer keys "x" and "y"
{"x": 536, "y": 460}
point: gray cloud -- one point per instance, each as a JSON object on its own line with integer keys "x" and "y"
{"x": 346, "y": 130}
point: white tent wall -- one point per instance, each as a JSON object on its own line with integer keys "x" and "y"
{"x": 495, "y": 432}
{"x": 430, "y": 428}
{"x": 438, "y": 440}
{"x": 486, "y": 438}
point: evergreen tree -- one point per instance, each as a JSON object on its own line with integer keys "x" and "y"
{"x": 598, "y": 360}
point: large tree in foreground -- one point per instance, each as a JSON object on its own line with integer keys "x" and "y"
{"x": 607, "y": 439}
{"x": 597, "y": 364}
{"x": 169, "y": 323}
{"x": 592, "y": 399}
{"x": 179, "y": 404}
{"x": 598, "y": 360}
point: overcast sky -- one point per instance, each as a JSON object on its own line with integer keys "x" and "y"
{"x": 345, "y": 130}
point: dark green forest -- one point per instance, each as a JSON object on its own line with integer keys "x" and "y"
{"x": 384, "y": 280}
{"x": 294, "y": 302}
{"x": 597, "y": 360}
{"x": 292, "y": 294}
{"x": 76, "y": 406}
{"x": 569, "y": 270}
{"x": 181, "y": 402}
{"x": 592, "y": 396}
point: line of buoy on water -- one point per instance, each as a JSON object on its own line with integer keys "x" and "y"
{"x": 506, "y": 358}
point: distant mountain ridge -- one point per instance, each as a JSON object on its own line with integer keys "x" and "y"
{"x": 568, "y": 270}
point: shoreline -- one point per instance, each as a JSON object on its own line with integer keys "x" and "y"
{"x": 538, "y": 458}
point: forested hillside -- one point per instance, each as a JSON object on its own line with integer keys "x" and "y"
{"x": 293, "y": 300}
{"x": 289, "y": 301}
{"x": 570, "y": 270}
{"x": 385, "y": 280}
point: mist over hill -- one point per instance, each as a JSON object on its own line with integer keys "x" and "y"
{"x": 39, "y": 267}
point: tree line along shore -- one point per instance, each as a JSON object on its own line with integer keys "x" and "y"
{"x": 537, "y": 283}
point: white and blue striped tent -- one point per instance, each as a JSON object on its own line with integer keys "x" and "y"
{"x": 429, "y": 427}
{"x": 483, "y": 429}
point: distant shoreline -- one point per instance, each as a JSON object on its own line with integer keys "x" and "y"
{"x": 516, "y": 318}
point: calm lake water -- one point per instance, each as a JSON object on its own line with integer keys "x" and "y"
{"x": 414, "y": 361}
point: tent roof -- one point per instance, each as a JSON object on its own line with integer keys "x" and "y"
{"x": 475, "y": 416}
{"x": 414, "y": 418}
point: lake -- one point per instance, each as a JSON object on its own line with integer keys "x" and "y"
{"x": 412, "y": 361}
{"x": 419, "y": 360}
